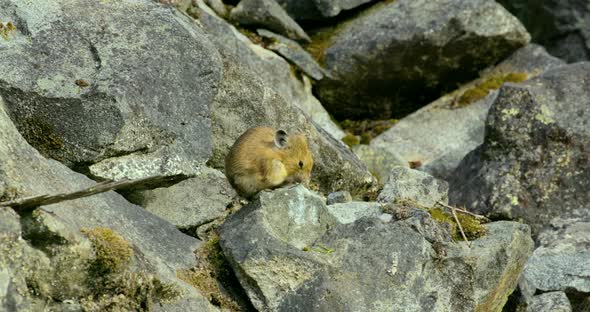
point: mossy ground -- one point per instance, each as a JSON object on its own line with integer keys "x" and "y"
{"x": 480, "y": 90}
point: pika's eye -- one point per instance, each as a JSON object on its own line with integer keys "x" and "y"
{"x": 300, "y": 164}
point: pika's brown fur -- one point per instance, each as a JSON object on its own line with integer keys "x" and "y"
{"x": 264, "y": 158}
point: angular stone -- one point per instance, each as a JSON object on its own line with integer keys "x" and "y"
{"x": 550, "y": 302}
{"x": 415, "y": 186}
{"x": 190, "y": 203}
{"x": 267, "y": 14}
{"x": 318, "y": 9}
{"x": 338, "y": 198}
{"x": 294, "y": 53}
{"x": 533, "y": 163}
{"x": 379, "y": 160}
{"x": 407, "y": 51}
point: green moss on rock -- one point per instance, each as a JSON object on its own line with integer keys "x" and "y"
{"x": 113, "y": 252}
{"x": 482, "y": 89}
{"x": 472, "y": 227}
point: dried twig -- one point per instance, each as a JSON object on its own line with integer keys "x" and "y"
{"x": 29, "y": 203}
{"x": 463, "y": 211}
{"x": 459, "y": 225}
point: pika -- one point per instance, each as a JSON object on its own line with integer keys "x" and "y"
{"x": 265, "y": 158}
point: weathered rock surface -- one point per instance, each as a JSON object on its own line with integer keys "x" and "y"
{"x": 119, "y": 85}
{"x": 550, "y": 302}
{"x": 267, "y": 14}
{"x": 413, "y": 185}
{"x": 294, "y": 53}
{"x": 267, "y": 66}
{"x": 338, "y": 198}
{"x": 561, "y": 263}
{"x": 318, "y": 9}
{"x": 218, "y": 6}
{"x": 534, "y": 161}
{"x": 561, "y": 26}
{"x": 379, "y": 160}
{"x": 349, "y": 212}
{"x": 190, "y": 203}
{"x": 440, "y": 134}
{"x": 407, "y": 51}
{"x": 367, "y": 264}
{"x": 53, "y": 257}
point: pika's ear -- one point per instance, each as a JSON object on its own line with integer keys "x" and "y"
{"x": 281, "y": 139}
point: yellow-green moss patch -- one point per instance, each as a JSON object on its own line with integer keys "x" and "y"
{"x": 482, "y": 89}
{"x": 113, "y": 252}
{"x": 471, "y": 226}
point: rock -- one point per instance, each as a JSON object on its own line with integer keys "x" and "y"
{"x": 218, "y": 6}
{"x": 550, "y": 302}
{"x": 267, "y": 14}
{"x": 379, "y": 161}
{"x": 190, "y": 203}
{"x": 440, "y": 134}
{"x": 296, "y": 216}
{"x": 294, "y": 53}
{"x": 442, "y": 42}
{"x": 318, "y": 9}
{"x": 182, "y": 5}
{"x": 533, "y": 163}
{"x": 350, "y": 212}
{"x": 46, "y": 248}
{"x": 560, "y": 26}
{"x": 245, "y": 101}
{"x": 416, "y": 186}
{"x": 267, "y": 66}
{"x": 369, "y": 264}
{"x": 339, "y": 197}
{"x": 110, "y": 90}
{"x": 562, "y": 260}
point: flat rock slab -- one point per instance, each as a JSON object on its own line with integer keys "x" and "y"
{"x": 119, "y": 84}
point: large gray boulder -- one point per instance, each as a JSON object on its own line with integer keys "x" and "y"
{"x": 555, "y": 301}
{"x": 119, "y": 85}
{"x": 408, "y": 50}
{"x": 561, "y": 26}
{"x": 440, "y": 134}
{"x": 533, "y": 163}
{"x": 366, "y": 264}
{"x": 46, "y": 249}
{"x": 275, "y": 71}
